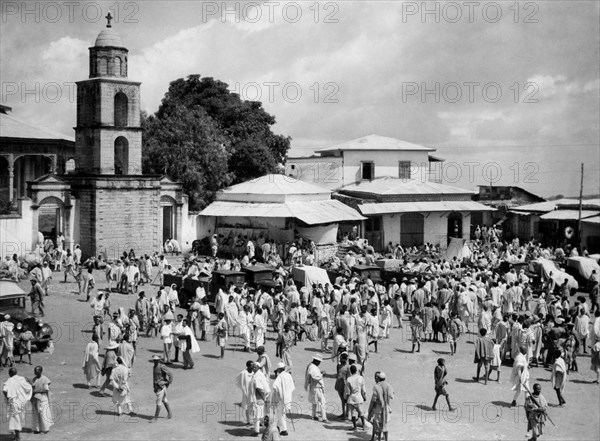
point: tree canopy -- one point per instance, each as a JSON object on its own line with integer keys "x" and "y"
{"x": 207, "y": 138}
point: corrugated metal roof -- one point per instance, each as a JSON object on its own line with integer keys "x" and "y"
{"x": 11, "y": 127}
{"x": 242, "y": 209}
{"x": 396, "y": 186}
{"x": 272, "y": 188}
{"x": 422, "y": 207}
{"x": 589, "y": 204}
{"x": 375, "y": 142}
{"x": 310, "y": 212}
{"x": 568, "y": 214}
{"x": 323, "y": 212}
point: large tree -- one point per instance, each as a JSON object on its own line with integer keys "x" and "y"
{"x": 187, "y": 145}
{"x": 243, "y": 128}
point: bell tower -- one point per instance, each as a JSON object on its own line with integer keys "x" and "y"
{"x": 108, "y": 136}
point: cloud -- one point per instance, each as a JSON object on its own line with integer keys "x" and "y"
{"x": 360, "y": 61}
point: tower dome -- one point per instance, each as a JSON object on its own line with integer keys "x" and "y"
{"x": 108, "y": 38}
{"x": 108, "y": 56}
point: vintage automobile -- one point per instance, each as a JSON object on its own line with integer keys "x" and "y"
{"x": 222, "y": 278}
{"x": 257, "y": 273}
{"x": 364, "y": 271}
{"x": 12, "y": 302}
{"x": 261, "y": 276}
{"x": 186, "y": 289}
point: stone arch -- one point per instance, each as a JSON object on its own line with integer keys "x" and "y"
{"x": 50, "y": 217}
{"x": 121, "y": 110}
{"x": 52, "y": 200}
{"x": 70, "y": 165}
{"x": 121, "y": 156}
{"x": 28, "y": 168}
{"x": 167, "y": 200}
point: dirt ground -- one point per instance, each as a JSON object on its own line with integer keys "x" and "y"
{"x": 205, "y": 400}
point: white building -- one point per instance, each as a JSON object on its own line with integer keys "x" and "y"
{"x": 411, "y": 212}
{"x": 276, "y": 207}
{"x": 365, "y": 159}
{"x": 397, "y": 185}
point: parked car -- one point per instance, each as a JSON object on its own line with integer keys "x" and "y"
{"x": 186, "y": 289}
{"x": 12, "y": 302}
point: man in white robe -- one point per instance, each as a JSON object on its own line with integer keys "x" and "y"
{"x": 17, "y": 392}
{"x": 314, "y": 385}
{"x": 244, "y": 382}
{"x": 283, "y": 387}
{"x": 260, "y": 396}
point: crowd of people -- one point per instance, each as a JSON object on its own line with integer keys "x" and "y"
{"x": 441, "y": 301}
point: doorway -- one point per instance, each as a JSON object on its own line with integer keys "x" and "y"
{"x": 412, "y": 229}
{"x": 167, "y": 230}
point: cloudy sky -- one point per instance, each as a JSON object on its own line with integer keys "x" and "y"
{"x": 511, "y": 87}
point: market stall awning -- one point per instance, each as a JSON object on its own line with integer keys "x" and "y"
{"x": 309, "y": 212}
{"x": 567, "y": 214}
{"x": 592, "y": 220}
{"x": 246, "y": 209}
{"x": 322, "y": 212}
{"x": 420, "y": 207}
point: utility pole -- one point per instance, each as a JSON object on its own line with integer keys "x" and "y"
{"x": 580, "y": 204}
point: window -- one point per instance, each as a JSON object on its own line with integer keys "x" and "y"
{"x": 404, "y": 169}
{"x": 117, "y": 71}
{"x": 368, "y": 171}
{"x": 120, "y": 109}
{"x": 121, "y": 156}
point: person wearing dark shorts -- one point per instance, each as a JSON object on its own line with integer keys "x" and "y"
{"x": 439, "y": 375}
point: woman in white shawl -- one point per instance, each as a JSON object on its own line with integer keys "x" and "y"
{"x": 173, "y": 297}
{"x": 245, "y": 323}
{"x": 122, "y": 320}
{"x": 121, "y": 392}
{"x": 13, "y": 268}
{"x": 260, "y": 327}
{"x": 559, "y": 377}
{"x": 153, "y": 314}
{"x": 91, "y": 363}
{"x": 189, "y": 346}
{"x": 97, "y": 305}
{"x": 231, "y": 315}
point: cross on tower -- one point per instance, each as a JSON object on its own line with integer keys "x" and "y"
{"x": 108, "y": 17}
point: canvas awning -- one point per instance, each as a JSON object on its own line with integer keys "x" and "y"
{"x": 309, "y": 212}
{"x": 420, "y": 207}
{"x": 567, "y": 214}
{"x": 592, "y": 220}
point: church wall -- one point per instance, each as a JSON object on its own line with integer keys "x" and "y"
{"x": 16, "y": 231}
{"x": 87, "y": 222}
{"x": 127, "y": 217}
